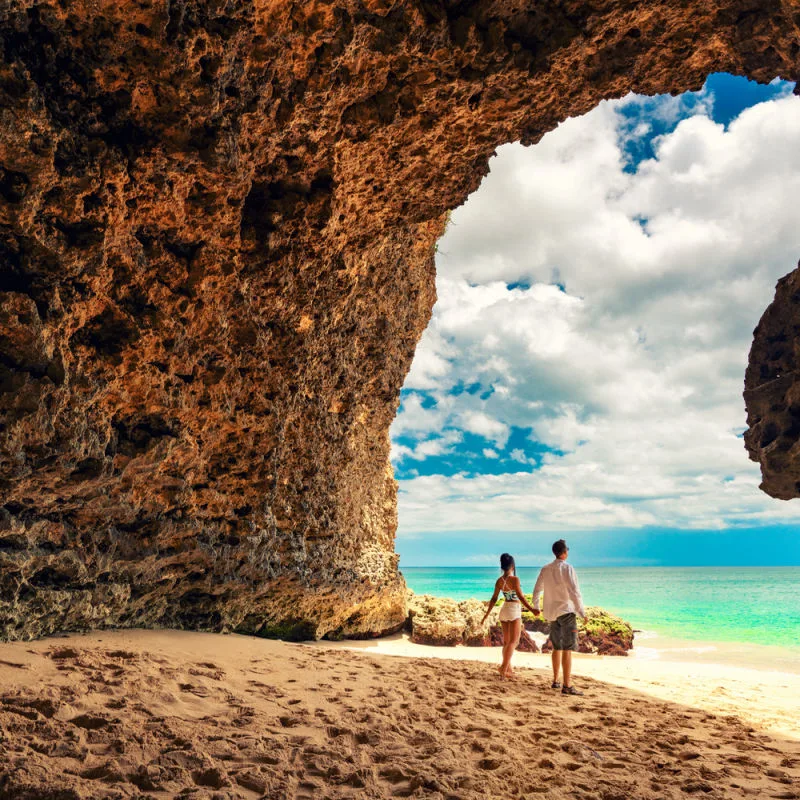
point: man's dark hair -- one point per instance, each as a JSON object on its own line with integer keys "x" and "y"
{"x": 559, "y": 548}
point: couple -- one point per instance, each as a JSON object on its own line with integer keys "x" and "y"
{"x": 562, "y": 602}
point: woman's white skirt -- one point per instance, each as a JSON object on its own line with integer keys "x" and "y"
{"x": 511, "y": 610}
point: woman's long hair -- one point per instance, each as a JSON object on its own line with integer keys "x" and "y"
{"x": 507, "y": 563}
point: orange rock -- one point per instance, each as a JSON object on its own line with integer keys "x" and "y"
{"x": 181, "y": 189}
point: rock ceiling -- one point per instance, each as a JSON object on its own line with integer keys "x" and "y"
{"x": 217, "y": 223}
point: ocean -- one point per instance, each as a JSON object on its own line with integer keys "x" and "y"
{"x": 744, "y": 605}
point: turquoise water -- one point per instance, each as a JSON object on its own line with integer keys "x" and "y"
{"x": 710, "y": 604}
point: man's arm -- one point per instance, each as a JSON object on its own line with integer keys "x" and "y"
{"x": 575, "y": 592}
{"x": 538, "y": 591}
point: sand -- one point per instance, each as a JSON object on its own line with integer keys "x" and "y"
{"x": 681, "y": 672}
{"x": 151, "y": 714}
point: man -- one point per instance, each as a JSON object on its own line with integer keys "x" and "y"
{"x": 562, "y": 601}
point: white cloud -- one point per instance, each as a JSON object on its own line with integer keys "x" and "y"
{"x": 633, "y": 371}
{"x": 482, "y": 424}
{"x": 433, "y": 446}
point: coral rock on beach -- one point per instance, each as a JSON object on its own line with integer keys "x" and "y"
{"x": 601, "y": 632}
{"x": 444, "y": 622}
{"x": 772, "y": 392}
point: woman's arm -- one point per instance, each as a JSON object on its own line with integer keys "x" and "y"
{"x": 490, "y": 606}
{"x": 522, "y": 599}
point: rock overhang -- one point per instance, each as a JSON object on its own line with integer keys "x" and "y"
{"x": 217, "y": 232}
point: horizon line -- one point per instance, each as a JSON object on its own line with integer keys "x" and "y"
{"x": 615, "y": 566}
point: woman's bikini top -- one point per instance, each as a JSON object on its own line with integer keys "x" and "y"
{"x": 510, "y": 597}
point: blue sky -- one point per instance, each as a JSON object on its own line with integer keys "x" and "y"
{"x": 582, "y": 373}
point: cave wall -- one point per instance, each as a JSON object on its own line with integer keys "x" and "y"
{"x": 217, "y": 223}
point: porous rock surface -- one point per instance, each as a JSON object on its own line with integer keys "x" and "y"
{"x": 601, "y": 632}
{"x": 772, "y": 392}
{"x": 444, "y": 622}
{"x": 217, "y": 223}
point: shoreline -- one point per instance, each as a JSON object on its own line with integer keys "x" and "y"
{"x": 652, "y": 646}
{"x": 723, "y": 606}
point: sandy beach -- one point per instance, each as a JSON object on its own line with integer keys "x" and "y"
{"x": 709, "y": 677}
{"x": 156, "y": 714}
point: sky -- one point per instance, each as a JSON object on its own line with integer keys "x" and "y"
{"x": 582, "y": 374}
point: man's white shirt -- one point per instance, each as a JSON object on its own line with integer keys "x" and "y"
{"x": 559, "y": 584}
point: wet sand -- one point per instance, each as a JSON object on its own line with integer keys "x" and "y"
{"x": 156, "y": 714}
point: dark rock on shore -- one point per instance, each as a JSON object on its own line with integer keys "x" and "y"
{"x": 525, "y": 645}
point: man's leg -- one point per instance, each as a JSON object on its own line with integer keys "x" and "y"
{"x": 556, "y": 664}
{"x": 566, "y": 665}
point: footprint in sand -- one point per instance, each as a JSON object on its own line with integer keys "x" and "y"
{"x": 62, "y": 653}
{"x": 125, "y": 655}
{"x": 90, "y": 722}
{"x": 213, "y": 778}
{"x": 199, "y": 691}
{"x": 15, "y": 664}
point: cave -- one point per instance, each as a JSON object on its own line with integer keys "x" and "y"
{"x": 217, "y": 242}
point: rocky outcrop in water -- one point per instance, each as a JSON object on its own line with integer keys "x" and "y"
{"x": 217, "y": 224}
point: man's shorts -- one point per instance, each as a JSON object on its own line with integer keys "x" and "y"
{"x": 564, "y": 632}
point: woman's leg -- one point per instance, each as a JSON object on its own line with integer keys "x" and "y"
{"x": 506, "y": 651}
{"x": 515, "y": 630}
{"x": 511, "y": 634}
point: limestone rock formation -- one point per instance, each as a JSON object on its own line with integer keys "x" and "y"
{"x": 772, "y": 392}
{"x": 601, "y": 632}
{"x": 217, "y": 222}
{"x": 446, "y": 623}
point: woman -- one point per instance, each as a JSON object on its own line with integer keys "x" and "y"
{"x": 511, "y": 612}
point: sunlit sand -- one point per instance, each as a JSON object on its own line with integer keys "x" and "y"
{"x": 167, "y": 713}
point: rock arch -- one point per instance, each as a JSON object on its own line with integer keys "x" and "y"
{"x": 216, "y": 231}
